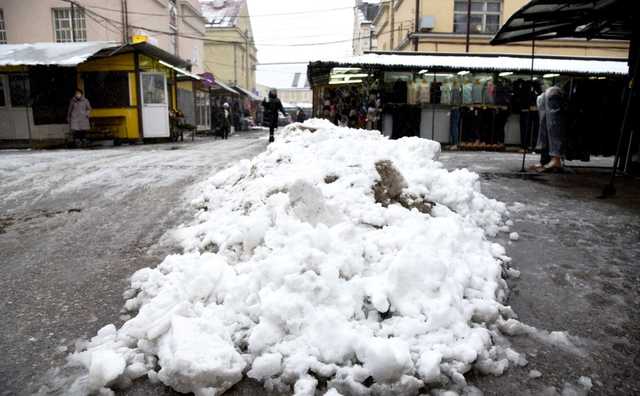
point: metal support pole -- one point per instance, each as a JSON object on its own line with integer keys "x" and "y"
{"x": 530, "y": 123}
{"x": 610, "y": 190}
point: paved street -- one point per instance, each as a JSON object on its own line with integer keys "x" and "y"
{"x": 75, "y": 224}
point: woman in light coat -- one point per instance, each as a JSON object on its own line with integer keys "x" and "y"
{"x": 78, "y": 115}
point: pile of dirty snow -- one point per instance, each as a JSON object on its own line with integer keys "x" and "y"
{"x": 298, "y": 274}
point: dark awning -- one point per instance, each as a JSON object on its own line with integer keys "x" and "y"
{"x": 590, "y": 19}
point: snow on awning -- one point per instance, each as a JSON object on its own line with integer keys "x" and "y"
{"x": 248, "y": 93}
{"x": 58, "y": 54}
{"x": 486, "y": 63}
{"x": 225, "y": 87}
{"x": 181, "y": 71}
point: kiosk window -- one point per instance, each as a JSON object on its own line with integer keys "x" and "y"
{"x": 153, "y": 87}
{"x": 3, "y": 102}
{"x": 107, "y": 89}
{"x": 19, "y": 90}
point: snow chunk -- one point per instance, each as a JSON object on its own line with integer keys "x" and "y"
{"x": 535, "y": 374}
{"x": 514, "y": 236}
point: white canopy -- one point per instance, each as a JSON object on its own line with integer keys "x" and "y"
{"x": 59, "y": 54}
{"x": 496, "y": 63}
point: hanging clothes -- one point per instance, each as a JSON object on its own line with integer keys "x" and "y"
{"x": 467, "y": 93}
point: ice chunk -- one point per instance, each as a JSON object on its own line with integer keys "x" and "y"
{"x": 514, "y": 236}
{"x": 266, "y": 366}
{"x": 535, "y": 374}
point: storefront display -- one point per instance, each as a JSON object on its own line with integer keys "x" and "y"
{"x": 471, "y": 109}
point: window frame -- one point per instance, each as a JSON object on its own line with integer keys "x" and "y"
{"x": 482, "y": 14}
{"x": 76, "y": 30}
{"x": 3, "y": 28}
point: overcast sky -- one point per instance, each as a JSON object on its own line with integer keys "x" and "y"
{"x": 300, "y": 22}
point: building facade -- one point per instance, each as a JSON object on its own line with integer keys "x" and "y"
{"x": 363, "y": 30}
{"x": 176, "y": 26}
{"x": 230, "y": 51}
{"x": 293, "y": 88}
{"x": 440, "y": 26}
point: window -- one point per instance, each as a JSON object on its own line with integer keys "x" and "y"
{"x": 3, "y": 29}
{"x": 19, "y": 90}
{"x": 203, "y": 110}
{"x": 153, "y": 89}
{"x": 64, "y": 30}
{"x": 3, "y": 100}
{"x": 107, "y": 89}
{"x": 485, "y": 16}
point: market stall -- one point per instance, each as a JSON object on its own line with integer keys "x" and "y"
{"x": 477, "y": 102}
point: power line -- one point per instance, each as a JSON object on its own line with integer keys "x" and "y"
{"x": 236, "y": 16}
{"x": 225, "y": 42}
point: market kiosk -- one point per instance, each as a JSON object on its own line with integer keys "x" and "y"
{"x": 480, "y": 101}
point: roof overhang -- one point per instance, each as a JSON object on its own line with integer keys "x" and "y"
{"x": 147, "y": 49}
{"x": 51, "y": 54}
{"x": 590, "y": 19}
{"x": 225, "y": 87}
{"x": 247, "y": 93}
{"x": 181, "y": 72}
{"x": 492, "y": 63}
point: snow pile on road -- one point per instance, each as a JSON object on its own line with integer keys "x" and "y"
{"x": 293, "y": 274}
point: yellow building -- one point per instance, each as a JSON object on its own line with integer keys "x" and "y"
{"x": 230, "y": 53}
{"x": 440, "y": 26}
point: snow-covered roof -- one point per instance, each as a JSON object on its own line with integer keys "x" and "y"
{"x": 221, "y": 13}
{"x": 284, "y": 77}
{"x": 60, "y": 54}
{"x": 497, "y": 63}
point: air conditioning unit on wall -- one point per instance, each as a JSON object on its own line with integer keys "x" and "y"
{"x": 427, "y": 23}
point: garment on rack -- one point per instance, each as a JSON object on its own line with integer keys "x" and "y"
{"x": 489, "y": 92}
{"x": 436, "y": 92}
{"x": 476, "y": 92}
{"x": 454, "y": 126}
{"x": 424, "y": 92}
{"x": 446, "y": 93}
{"x": 467, "y": 93}
{"x": 456, "y": 95}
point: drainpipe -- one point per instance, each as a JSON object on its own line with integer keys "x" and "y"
{"x": 393, "y": 22}
{"x": 235, "y": 64}
{"x": 417, "y": 28}
{"x": 468, "y": 24}
{"x": 125, "y": 22}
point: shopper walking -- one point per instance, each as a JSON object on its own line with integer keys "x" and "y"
{"x": 226, "y": 121}
{"x": 78, "y": 116}
{"x": 300, "y": 115}
{"x": 272, "y": 106}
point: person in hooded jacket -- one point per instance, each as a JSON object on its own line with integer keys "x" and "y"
{"x": 78, "y": 115}
{"x": 227, "y": 120}
{"x": 300, "y": 115}
{"x": 272, "y": 106}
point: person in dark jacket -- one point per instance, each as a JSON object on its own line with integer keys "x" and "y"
{"x": 78, "y": 115}
{"x": 227, "y": 121}
{"x": 272, "y": 106}
{"x": 300, "y": 115}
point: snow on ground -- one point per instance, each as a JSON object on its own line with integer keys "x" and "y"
{"x": 293, "y": 274}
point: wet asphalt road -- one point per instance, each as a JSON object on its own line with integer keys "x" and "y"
{"x": 74, "y": 225}
{"x": 577, "y": 256}
{"x": 580, "y": 273}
